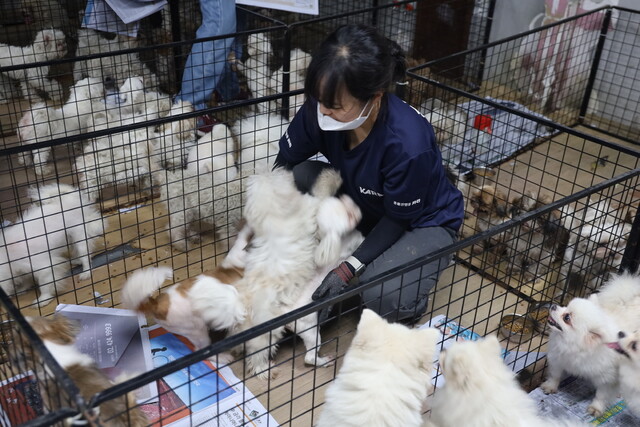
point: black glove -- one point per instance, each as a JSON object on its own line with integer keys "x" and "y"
{"x": 335, "y": 281}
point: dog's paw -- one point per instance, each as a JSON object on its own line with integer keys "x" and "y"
{"x": 265, "y": 372}
{"x": 318, "y": 361}
{"x": 222, "y": 359}
{"x": 596, "y": 408}
{"x": 43, "y": 300}
{"x": 550, "y": 386}
{"x": 43, "y": 170}
{"x": 86, "y": 274}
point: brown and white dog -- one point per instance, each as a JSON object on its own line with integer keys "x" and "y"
{"x": 191, "y": 307}
{"x": 490, "y": 209}
{"x": 59, "y": 335}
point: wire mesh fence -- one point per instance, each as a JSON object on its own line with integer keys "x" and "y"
{"x": 116, "y": 178}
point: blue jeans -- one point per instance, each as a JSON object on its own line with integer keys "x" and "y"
{"x": 207, "y": 63}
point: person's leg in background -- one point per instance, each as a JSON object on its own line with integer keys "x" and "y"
{"x": 404, "y": 298}
{"x": 207, "y": 61}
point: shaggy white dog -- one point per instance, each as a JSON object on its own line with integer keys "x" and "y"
{"x": 256, "y": 67}
{"x": 48, "y": 45}
{"x": 62, "y": 219}
{"x": 284, "y": 262}
{"x": 173, "y": 140}
{"x": 117, "y": 67}
{"x": 580, "y": 333}
{"x": 205, "y": 197}
{"x": 214, "y": 152}
{"x": 481, "y": 391}
{"x": 385, "y": 376}
{"x": 41, "y": 123}
{"x": 298, "y": 62}
{"x": 258, "y": 138}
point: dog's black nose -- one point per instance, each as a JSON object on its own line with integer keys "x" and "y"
{"x": 621, "y": 334}
{"x": 109, "y": 83}
{"x": 554, "y": 307}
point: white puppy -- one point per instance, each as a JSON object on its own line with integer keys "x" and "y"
{"x": 298, "y": 62}
{"x": 385, "y": 377}
{"x": 580, "y": 333}
{"x": 41, "y": 123}
{"x": 174, "y": 139}
{"x": 256, "y": 67}
{"x": 214, "y": 152}
{"x": 48, "y": 45}
{"x": 283, "y": 260}
{"x": 200, "y": 200}
{"x": 481, "y": 391}
{"x": 259, "y": 137}
{"x": 627, "y": 345}
{"x": 62, "y": 219}
{"x": 188, "y": 308}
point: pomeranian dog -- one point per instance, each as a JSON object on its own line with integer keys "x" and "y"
{"x": 189, "y": 308}
{"x": 48, "y": 44}
{"x": 481, "y": 391}
{"x": 627, "y": 345}
{"x": 289, "y": 255}
{"x": 385, "y": 377}
{"x": 42, "y": 123}
{"x": 61, "y": 220}
{"x": 59, "y": 335}
{"x": 580, "y": 332}
{"x": 173, "y": 140}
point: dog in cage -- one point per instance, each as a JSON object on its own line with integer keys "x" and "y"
{"x": 490, "y": 208}
{"x": 627, "y": 345}
{"x": 597, "y": 238}
{"x": 256, "y": 67}
{"x": 174, "y": 140}
{"x": 298, "y": 62}
{"x": 189, "y": 308}
{"x": 259, "y": 138}
{"x": 116, "y": 67}
{"x": 580, "y": 334}
{"x": 58, "y": 334}
{"x": 482, "y": 391}
{"x": 42, "y": 123}
{"x": 533, "y": 246}
{"x": 206, "y": 196}
{"x": 62, "y": 221}
{"x": 48, "y": 45}
{"x": 296, "y": 240}
{"x": 398, "y": 360}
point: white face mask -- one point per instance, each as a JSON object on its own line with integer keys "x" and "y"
{"x": 331, "y": 124}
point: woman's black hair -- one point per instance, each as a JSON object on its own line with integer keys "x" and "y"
{"x": 357, "y": 58}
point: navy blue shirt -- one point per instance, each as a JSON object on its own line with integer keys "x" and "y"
{"x": 397, "y": 170}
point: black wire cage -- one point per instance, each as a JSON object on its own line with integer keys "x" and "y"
{"x": 549, "y": 215}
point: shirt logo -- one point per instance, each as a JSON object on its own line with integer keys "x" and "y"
{"x": 406, "y": 204}
{"x": 370, "y": 192}
{"x": 286, "y": 135}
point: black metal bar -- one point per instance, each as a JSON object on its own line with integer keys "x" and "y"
{"x": 594, "y": 65}
{"x": 487, "y": 36}
{"x": 374, "y": 14}
{"x": 606, "y": 132}
{"x": 631, "y": 257}
{"x": 286, "y": 72}
{"x": 176, "y": 32}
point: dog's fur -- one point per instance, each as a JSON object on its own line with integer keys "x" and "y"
{"x": 214, "y": 152}
{"x": 116, "y": 67}
{"x": 61, "y": 219}
{"x": 481, "y": 391}
{"x": 580, "y": 333}
{"x": 201, "y": 200}
{"x": 298, "y": 62}
{"x": 258, "y": 138}
{"x": 59, "y": 335}
{"x": 385, "y": 377}
{"x": 41, "y": 123}
{"x": 628, "y": 346}
{"x": 284, "y": 259}
{"x": 598, "y": 236}
{"x": 174, "y": 139}
{"x": 490, "y": 208}
{"x": 189, "y": 308}
{"x": 256, "y": 67}
{"x": 48, "y": 45}
{"x": 533, "y": 246}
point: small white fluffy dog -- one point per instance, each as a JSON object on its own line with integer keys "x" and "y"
{"x": 627, "y": 345}
{"x": 205, "y": 197}
{"x": 256, "y": 67}
{"x": 48, "y": 45}
{"x": 41, "y": 123}
{"x": 214, "y": 152}
{"x": 173, "y": 140}
{"x": 298, "y": 62}
{"x": 259, "y": 138}
{"x": 385, "y": 377}
{"x": 580, "y": 333}
{"x": 62, "y": 219}
{"x": 189, "y": 308}
{"x": 481, "y": 391}
{"x": 284, "y": 262}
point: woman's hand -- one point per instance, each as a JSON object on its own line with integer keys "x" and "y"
{"x": 335, "y": 281}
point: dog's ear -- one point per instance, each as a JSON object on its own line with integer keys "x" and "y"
{"x": 491, "y": 344}
{"x": 369, "y": 319}
{"x": 57, "y": 328}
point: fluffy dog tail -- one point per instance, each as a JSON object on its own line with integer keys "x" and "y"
{"x": 219, "y": 304}
{"x": 137, "y": 290}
